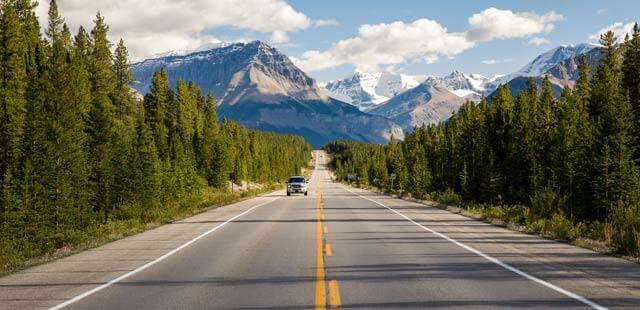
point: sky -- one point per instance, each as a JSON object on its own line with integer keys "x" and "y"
{"x": 332, "y": 39}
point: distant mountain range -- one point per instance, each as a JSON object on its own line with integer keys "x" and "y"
{"x": 261, "y": 88}
{"x": 436, "y": 98}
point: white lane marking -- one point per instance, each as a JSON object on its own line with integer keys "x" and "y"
{"x": 155, "y": 261}
{"x": 492, "y": 259}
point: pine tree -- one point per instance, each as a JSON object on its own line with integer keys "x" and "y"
{"x": 156, "y": 104}
{"x": 101, "y": 115}
{"x": 13, "y": 84}
{"x": 145, "y": 166}
{"x": 102, "y": 76}
{"x": 614, "y": 170}
{"x": 66, "y": 174}
{"x": 631, "y": 69}
{"x": 122, "y": 73}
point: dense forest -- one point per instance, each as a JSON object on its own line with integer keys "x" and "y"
{"x": 570, "y": 160}
{"x": 79, "y": 153}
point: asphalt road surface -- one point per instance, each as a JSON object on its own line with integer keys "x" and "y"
{"x": 339, "y": 247}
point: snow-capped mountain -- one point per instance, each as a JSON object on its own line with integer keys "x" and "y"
{"x": 261, "y": 88}
{"x": 545, "y": 62}
{"x": 428, "y": 103}
{"x": 467, "y": 86}
{"x": 560, "y": 65}
{"x": 366, "y": 90}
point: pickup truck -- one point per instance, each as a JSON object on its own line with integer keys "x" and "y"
{"x": 296, "y": 184}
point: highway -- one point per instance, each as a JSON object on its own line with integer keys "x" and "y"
{"x": 339, "y": 247}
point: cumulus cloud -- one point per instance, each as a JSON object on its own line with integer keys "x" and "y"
{"x": 424, "y": 40}
{"x": 388, "y": 44}
{"x": 496, "y": 61}
{"x": 619, "y": 29}
{"x": 152, "y": 26}
{"x": 325, "y": 22}
{"x": 431, "y": 59}
{"x": 537, "y": 41}
{"x": 494, "y": 23}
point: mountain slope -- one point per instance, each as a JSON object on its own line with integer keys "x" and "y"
{"x": 428, "y": 103}
{"x": 559, "y": 63}
{"x": 366, "y": 90}
{"x": 261, "y": 88}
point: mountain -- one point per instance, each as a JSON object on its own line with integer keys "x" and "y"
{"x": 428, "y": 103}
{"x": 366, "y": 90}
{"x": 560, "y": 64}
{"x": 467, "y": 86}
{"x": 261, "y": 88}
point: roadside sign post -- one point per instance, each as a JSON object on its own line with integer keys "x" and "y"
{"x": 393, "y": 177}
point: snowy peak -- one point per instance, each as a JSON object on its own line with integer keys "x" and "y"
{"x": 543, "y": 63}
{"x": 235, "y": 72}
{"x": 467, "y": 86}
{"x": 366, "y": 90}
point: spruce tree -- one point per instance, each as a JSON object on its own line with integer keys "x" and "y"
{"x": 613, "y": 122}
{"x": 13, "y": 84}
{"x": 156, "y": 104}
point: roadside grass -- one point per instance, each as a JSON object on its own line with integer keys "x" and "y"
{"x": 126, "y": 221}
{"x": 603, "y": 237}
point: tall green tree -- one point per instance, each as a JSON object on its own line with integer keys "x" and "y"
{"x": 613, "y": 122}
{"x": 13, "y": 84}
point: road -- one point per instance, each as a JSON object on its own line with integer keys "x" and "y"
{"x": 339, "y": 247}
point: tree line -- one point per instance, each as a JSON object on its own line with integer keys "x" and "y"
{"x": 78, "y": 150}
{"x": 574, "y": 157}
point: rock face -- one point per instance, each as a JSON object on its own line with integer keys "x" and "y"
{"x": 261, "y": 88}
{"x": 428, "y": 103}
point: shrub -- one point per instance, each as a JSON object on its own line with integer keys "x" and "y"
{"x": 560, "y": 227}
{"x": 625, "y": 235}
{"x": 546, "y": 202}
{"x": 449, "y": 197}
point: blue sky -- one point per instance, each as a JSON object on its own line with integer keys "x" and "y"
{"x": 330, "y": 39}
{"x": 581, "y": 19}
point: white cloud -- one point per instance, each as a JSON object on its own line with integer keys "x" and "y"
{"x": 431, "y": 59}
{"x": 388, "y": 44}
{"x": 619, "y": 29}
{"x": 537, "y": 41}
{"x": 494, "y": 23}
{"x": 496, "y": 61}
{"x": 279, "y": 37}
{"x": 152, "y": 26}
{"x": 424, "y": 40}
{"x": 325, "y": 22}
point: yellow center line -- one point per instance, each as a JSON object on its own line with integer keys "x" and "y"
{"x": 327, "y": 249}
{"x": 334, "y": 295}
{"x": 326, "y": 229}
{"x": 321, "y": 298}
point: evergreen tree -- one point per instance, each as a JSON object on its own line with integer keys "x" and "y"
{"x": 156, "y": 104}
{"x": 613, "y": 119}
{"x": 13, "y": 84}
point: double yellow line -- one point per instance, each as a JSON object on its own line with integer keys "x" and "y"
{"x": 321, "y": 251}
